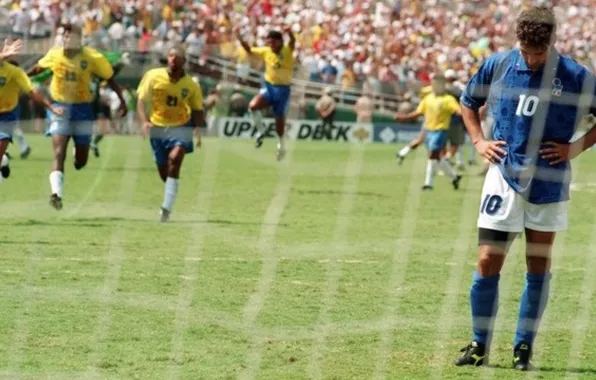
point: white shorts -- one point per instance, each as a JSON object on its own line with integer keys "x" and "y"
{"x": 503, "y": 209}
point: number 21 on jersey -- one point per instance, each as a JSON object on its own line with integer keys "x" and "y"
{"x": 527, "y": 105}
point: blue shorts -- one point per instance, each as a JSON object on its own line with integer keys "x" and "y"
{"x": 278, "y": 98}
{"x": 8, "y": 122}
{"x": 435, "y": 140}
{"x": 77, "y": 122}
{"x": 163, "y": 139}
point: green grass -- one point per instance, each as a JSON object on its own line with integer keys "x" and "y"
{"x": 305, "y": 269}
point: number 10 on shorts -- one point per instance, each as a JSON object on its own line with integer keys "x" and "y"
{"x": 491, "y": 204}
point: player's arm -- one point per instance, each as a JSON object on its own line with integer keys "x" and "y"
{"x": 143, "y": 96}
{"x": 474, "y": 97}
{"x": 243, "y": 43}
{"x": 46, "y": 62}
{"x": 25, "y": 86}
{"x": 292, "y": 44}
{"x": 198, "y": 114}
{"x": 103, "y": 69}
{"x": 414, "y": 114}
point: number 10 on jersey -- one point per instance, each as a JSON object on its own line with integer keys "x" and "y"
{"x": 527, "y": 105}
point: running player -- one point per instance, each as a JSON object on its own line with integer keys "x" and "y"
{"x": 73, "y": 68}
{"x": 437, "y": 109}
{"x": 176, "y": 111}
{"x": 279, "y": 70}
{"x": 537, "y": 98}
{"x": 14, "y": 82}
{"x": 419, "y": 139}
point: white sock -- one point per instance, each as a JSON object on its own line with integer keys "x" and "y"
{"x": 404, "y": 151}
{"x": 431, "y": 167}
{"x": 459, "y": 158}
{"x": 171, "y": 190}
{"x": 257, "y": 118}
{"x": 281, "y": 143}
{"x": 57, "y": 182}
{"x": 447, "y": 168}
{"x": 18, "y": 133}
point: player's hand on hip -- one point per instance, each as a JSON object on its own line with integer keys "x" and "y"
{"x": 491, "y": 150}
{"x": 556, "y": 153}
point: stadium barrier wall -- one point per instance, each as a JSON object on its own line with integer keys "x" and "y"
{"x": 303, "y": 129}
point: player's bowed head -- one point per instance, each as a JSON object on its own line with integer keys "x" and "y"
{"x": 536, "y": 30}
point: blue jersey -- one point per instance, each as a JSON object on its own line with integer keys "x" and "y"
{"x": 530, "y": 108}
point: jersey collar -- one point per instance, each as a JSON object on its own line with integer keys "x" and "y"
{"x": 520, "y": 64}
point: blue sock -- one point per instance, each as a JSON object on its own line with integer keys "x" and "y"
{"x": 531, "y": 307}
{"x": 484, "y": 298}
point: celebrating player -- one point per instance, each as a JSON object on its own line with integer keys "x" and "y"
{"x": 176, "y": 104}
{"x": 279, "y": 69}
{"x": 73, "y": 67}
{"x": 437, "y": 108}
{"x": 14, "y": 82}
{"x": 535, "y": 97}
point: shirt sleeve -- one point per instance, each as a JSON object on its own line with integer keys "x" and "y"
{"x": 102, "y": 67}
{"x": 144, "y": 89}
{"x": 453, "y": 104}
{"x": 23, "y": 81}
{"x": 422, "y": 106}
{"x": 47, "y": 61}
{"x": 196, "y": 99}
{"x": 477, "y": 90}
{"x": 259, "y": 51}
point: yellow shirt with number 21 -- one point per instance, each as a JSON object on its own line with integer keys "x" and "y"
{"x": 171, "y": 104}
{"x": 72, "y": 76}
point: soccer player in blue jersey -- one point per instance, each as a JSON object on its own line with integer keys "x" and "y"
{"x": 537, "y": 98}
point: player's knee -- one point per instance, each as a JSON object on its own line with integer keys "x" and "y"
{"x": 538, "y": 265}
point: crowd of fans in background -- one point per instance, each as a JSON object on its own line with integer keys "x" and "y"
{"x": 387, "y": 46}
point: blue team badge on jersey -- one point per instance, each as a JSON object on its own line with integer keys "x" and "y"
{"x": 84, "y": 64}
{"x": 184, "y": 93}
{"x": 2, "y": 81}
{"x": 557, "y": 87}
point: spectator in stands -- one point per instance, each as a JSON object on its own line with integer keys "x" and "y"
{"x": 364, "y": 108}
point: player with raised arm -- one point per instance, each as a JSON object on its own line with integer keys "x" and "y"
{"x": 176, "y": 113}
{"x": 279, "y": 70}
{"x": 14, "y": 82}
{"x": 73, "y": 67}
{"x": 537, "y": 98}
{"x": 437, "y": 109}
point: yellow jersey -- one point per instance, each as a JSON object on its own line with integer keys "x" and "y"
{"x": 13, "y": 82}
{"x": 171, "y": 104}
{"x": 437, "y": 111}
{"x": 71, "y": 82}
{"x": 279, "y": 68}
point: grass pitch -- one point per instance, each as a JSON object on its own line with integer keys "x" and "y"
{"x": 329, "y": 265}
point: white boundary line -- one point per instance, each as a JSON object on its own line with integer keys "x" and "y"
{"x": 269, "y": 267}
{"x": 343, "y": 216}
{"x": 115, "y": 258}
{"x": 194, "y": 250}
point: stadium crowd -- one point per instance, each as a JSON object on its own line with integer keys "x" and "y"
{"x": 390, "y": 45}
